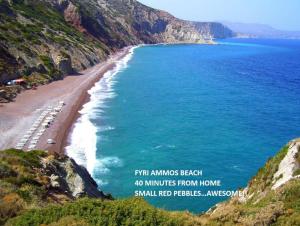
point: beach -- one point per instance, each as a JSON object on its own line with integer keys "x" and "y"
{"x": 18, "y": 117}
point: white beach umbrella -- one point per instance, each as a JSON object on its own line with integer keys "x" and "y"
{"x": 33, "y": 142}
{"x": 24, "y": 140}
{"x": 31, "y": 147}
{"x": 26, "y": 136}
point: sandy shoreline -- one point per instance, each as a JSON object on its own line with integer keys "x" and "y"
{"x": 17, "y": 117}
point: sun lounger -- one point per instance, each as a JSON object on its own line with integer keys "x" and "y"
{"x": 31, "y": 147}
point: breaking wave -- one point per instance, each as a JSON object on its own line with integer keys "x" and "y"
{"x": 83, "y": 138}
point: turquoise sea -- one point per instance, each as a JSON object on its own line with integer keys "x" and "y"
{"x": 222, "y": 108}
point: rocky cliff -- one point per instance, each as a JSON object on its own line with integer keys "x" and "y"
{"x": 42, "y": 40}
{"x": 213, "y": 30}
{"x": 271, "y": 197}
{"x": 39, "y": 179}
{"x": 30, "y": 181}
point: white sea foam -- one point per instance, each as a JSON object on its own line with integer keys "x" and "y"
{"x": 83, "y": 138}
{"x": 106, "y": 128}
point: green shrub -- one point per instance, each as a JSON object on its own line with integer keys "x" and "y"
{"x": 134, "y": 211}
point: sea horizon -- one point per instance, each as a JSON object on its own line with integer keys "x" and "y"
{"x": 234, "y": 80}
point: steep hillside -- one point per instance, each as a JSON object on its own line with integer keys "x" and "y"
{"x": 271, "y": 197}
{"x": 37, "y": 44}
{"x": 39, "y": 189}
{"x": 43, "y": 40}
{"x": 52, "y": 188}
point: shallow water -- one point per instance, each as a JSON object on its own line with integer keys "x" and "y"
{"x": 221, "y": 108}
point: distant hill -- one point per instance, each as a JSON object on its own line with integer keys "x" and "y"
{"x": 215, "y": 29}
{"x": 260, "y": 31}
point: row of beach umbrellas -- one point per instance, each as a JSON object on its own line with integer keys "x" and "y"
{"x": 39, "y": 127}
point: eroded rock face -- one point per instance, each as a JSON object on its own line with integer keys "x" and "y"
{"x": 64, "y": 64}
{"x": 288, "y": 166}
{"x": 271, "y": 196}
{"x": 72, "y": 15}
{"x": 68, "y": 177}
{"x": 118, "y": 23}
{"x": 8, "y": 66}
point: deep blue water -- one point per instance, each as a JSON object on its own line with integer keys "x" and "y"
{"x": 222, "y": 108}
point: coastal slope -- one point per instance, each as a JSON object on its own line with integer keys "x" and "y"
{"x": 32, "y": 180}
{"x": 43, "y": 40}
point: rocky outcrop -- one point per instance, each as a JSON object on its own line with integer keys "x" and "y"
{"x": 8, "y": 65}
{"x": 271, "y": 197}
{"x": 64, "y": 64}
{"x": 289, "y": 167}
{"x": 68, "y": 177}
{"x": 72, "y": 15}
